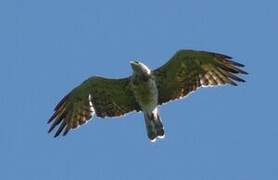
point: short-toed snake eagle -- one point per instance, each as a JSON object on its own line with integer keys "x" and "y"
{"x": 145, "y": 90}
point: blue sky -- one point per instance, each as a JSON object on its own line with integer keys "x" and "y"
{"x": 49, "y": 47}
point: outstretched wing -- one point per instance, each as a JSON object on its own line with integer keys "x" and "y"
{"x": 97, "y": 95}
{"x": 188, "y": 69}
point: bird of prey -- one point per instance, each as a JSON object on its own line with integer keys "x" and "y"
{"x": 145, "y": 90}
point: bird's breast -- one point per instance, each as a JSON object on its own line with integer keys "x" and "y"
{"x": 146, "y": 94}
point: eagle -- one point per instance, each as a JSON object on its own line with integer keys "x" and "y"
{"x": 145, "y": 90}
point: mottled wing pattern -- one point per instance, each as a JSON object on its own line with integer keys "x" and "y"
{"x": 188, "y": 70}
{"x": 97, "y": 95}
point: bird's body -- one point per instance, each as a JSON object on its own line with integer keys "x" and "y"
{"x": 144, "y": 90}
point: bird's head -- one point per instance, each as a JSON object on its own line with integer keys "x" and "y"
{"x": 140, "y": 68}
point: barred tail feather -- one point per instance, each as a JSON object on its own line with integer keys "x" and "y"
{"x": 154, "y": 126}
{"x": 159, "y": 127}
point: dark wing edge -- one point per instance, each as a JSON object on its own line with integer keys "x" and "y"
{"x": 189, "y": 70}
{"x": 101, "y": 96}
{"x": 70, "y": 115}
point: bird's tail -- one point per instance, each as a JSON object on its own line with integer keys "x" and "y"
{"x": 154, "y": 125}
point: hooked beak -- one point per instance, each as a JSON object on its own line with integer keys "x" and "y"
{"x": 134, "y": 62}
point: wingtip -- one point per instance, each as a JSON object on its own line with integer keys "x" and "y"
{"x": 227, "y": 57}
{"x": 65, "y": 133}
{"x": 233, "y": 83}
{"x": 244, "y": 72}
{"x": 52, "y": 117}
{"x": 236, "y": 63}
{"x": 51, "y": 129}
{"x": 222, "y": 56}
{"x": 56, "y": 134}
{"x": 239, "y": 64}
